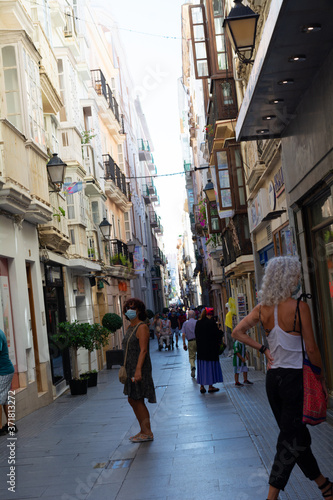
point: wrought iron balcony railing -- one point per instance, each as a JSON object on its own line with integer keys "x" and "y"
{"x": 113, "y": 172}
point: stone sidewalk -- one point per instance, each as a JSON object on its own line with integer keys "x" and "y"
{"x": 219, "y": 446}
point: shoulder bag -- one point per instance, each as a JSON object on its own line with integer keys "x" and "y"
{"x": 314, "y": 400}
{"x": 122, "y": 370}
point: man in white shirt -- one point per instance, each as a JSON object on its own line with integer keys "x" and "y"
{"x": 188, "y": 331}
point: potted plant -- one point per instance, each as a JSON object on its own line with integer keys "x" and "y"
{"x": 113, "y": 322}
{"x": 74, "y": 335}
{"x": 98, "y": 338}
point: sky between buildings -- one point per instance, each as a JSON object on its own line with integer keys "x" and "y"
{"x": 154, "y": 63}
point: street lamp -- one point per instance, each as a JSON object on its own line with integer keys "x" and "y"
{"x": 105, "y": 228}
{"x": 210, "y": 191}
{"x": 56, "y": 170}
{"x": 241, "y": 27}
{"x": 131, "y": 246}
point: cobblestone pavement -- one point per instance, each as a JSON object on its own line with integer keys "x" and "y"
{"x": 219, "y": 446}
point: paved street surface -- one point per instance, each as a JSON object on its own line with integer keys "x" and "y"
{"x": 216, "y": 446}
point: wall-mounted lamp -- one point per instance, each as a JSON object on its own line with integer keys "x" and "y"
{"x": 131, "y": 246}
{"x": 56, "y": 171}
{"x": 210, "y": 191}
{"x": 105, "y": 228}
{"x": 241, "y": 27}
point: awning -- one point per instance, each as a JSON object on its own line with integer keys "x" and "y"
{"x": 287, "y": 33}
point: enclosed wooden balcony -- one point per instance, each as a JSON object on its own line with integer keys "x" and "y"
{"x": 116, "y": 187}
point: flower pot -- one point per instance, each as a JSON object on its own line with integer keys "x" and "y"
{"x": 92, "y": 378}
{"x": 78, "y": 387}
{"x": 114, "y": 357}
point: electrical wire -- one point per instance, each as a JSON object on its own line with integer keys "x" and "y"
{"x": 77, "y": 18}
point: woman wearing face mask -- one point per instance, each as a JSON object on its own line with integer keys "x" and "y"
{"x": 278, "y": 314}
{"x": 139, "y": 384}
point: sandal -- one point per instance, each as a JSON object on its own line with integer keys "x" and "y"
{"x": 202, "y": 390}
{"x": 329, "y": 491}
{"x": 141, "y": 438}
{"x": 213, "y": 389}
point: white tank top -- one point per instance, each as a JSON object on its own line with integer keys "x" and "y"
{"x": 286, "y": 349}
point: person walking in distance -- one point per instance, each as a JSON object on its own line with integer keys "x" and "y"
{"x": 282, "y": 318}
{"x": 175, "y": 325}
{"x": 228, "y": 326}
{"x": 6, "y": 377}
{"x": 239, "y": 363}
{"x": 188, "y": 333}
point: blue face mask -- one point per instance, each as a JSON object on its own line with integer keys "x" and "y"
{"x": 297, "y": 289}
{"x": 131, "y": 314}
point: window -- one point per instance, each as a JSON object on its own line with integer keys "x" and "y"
{"x": 224, "y": 180}
{"x": 61, "y": 73}
{"x": 127, "y": 226}
{"x": 221, "y": 52}
{"x": 34, "y": 100}
{"x": 72, "y": 236}
{"x": 12, "y": 89}
{"x": 213, "y": 217}
{"x": 199, "y": 41}
{"x": 119, "y": 230}
{"x": 95, "y": 212}
{"x": 283, "y": 242}
{"x": 70, "y": 202}
{"x": 54, "y": 135}
{"x": 240, "y": 177}
{"x": 120, "y": 157}
{"x": 114, "y": 227}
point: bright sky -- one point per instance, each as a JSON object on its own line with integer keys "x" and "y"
{"x": 155, "y": 65}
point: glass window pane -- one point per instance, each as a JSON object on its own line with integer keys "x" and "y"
{"x": 11, "y": 81}
{"x": 71, "y": 212}
{"x": 218, "y": 8}
{"x": 13, "y": 103}
{"x": 202, "y": 68}
{"x": 197, "y": 15}
{"x": 8, "y": 56}
{"x": 226, "y": 198}
{"x": 238, "y": 158}
{"x": 199, "y": 33}
{"x": 240, "y": 177}
{"x": 220, "y": 45}
{"x": 222, "y": 161}
{"x": 222, "y": 61}
{"x": 16, "y": 121}
{"x": 322, "y": 210}
{"x": 241, "y": 196}
{"x": 215, "y": 224}
{"x": 218, "y": 22}
{"x": 224, "y": 179}
{"x": 286, "y": 242}
{"x": 200, "y": 50}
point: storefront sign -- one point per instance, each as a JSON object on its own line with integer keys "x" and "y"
{"x": 258, "y": 209}
{"x": 279, "y": 183}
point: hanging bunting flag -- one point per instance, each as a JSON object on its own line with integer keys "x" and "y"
{"x": 72, "y": 187}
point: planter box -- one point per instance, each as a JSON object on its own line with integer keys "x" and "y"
{"x": 114, "y": 357}
{"x": 78, "y": 387}
{"x": 92, "y": 379}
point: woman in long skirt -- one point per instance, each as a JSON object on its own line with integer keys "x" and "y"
{"x": 208, "y": 344}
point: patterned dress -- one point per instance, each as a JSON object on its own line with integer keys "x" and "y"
{"x": 145, "y": 388}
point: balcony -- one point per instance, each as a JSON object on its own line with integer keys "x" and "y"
{"x": 152, "y": 166}
{"x": 108, "y": 106}
{"x": 54, "y": 234}
{"x": 116, "y": 187}
{"x": 153, "y": 218}
{"x": 121, "y": 260}
{"x": 48, "y": 72}
{"x": 70, "y": 34}
{"x": 144, "y": 151}
{"x": 154, "y": 196}
{"x": 146, "y": 194}
{"x": 235, "y": 242}
{"x": 187, "y": 166}
{"x": 70, "y": 145}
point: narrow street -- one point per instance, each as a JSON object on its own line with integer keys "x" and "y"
{"x": 216, "y": 446}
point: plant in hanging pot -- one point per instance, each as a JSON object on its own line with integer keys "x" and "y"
{"x": 99, "y": 337}
{"x": 74, "y": 335}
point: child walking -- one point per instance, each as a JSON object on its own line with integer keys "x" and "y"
{"x": 239, "y": 363}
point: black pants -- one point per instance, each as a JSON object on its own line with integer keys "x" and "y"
{"x": 284, "y": 388}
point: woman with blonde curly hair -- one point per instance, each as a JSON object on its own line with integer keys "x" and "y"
{"x": 278, "y": 314}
